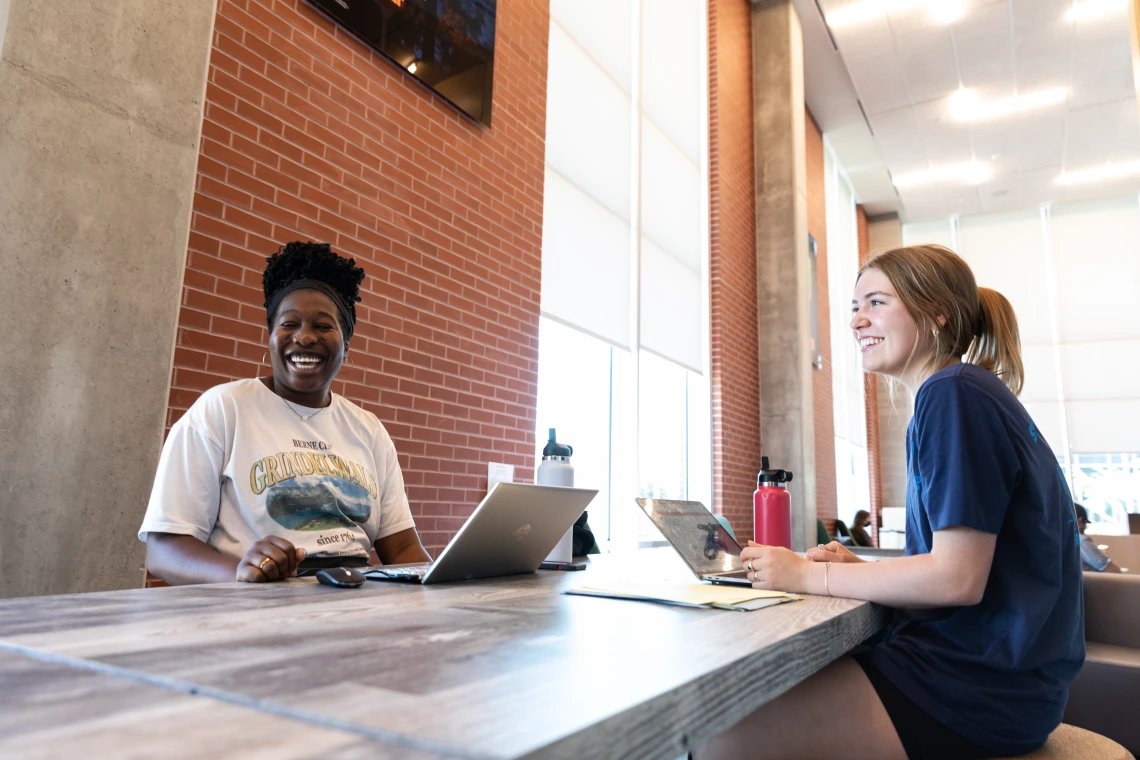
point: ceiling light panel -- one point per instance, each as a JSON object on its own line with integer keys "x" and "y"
{"x": 967, "y": 173}
{"x": 967, "y": 105}
{"x": 948, "y": 11}
{"x": 864, "y": 11}
{"x": 1100, "y": 173}
{"x": 1088, "y": 10}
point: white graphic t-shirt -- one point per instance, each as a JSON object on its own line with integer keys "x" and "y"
{"x": 240, "y": 466}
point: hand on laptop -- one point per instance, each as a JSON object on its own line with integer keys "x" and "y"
{"x": 832, "y": 552}
{"x": 270, "y": 559}
{"x": 774, "y": 568}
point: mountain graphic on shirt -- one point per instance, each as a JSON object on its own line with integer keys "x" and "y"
{"x": 318, "y": 503}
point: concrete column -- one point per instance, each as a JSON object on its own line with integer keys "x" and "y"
{"x": 783, "y": 269}
{"x": 100, "y": 115}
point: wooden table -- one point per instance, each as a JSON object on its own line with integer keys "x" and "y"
{"x": 501, "y": 668}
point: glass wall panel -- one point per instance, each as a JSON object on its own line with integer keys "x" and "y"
{"x": 625, "y": 253}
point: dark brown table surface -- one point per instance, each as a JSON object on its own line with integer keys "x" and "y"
{"x": 500, "y": 668}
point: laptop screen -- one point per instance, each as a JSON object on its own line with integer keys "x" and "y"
{"x": 696, "y": 535}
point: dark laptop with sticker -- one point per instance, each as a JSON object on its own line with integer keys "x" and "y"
{"x": 706, "y": 546}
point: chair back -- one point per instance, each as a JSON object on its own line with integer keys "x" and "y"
{"x": 1124, "y": 550}
{"x": 1112, "y": 608}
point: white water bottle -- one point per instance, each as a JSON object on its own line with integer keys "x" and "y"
{"x": 556, "y": 470}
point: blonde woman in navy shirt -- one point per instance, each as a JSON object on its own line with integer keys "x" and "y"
{"x": 988, "y": 627}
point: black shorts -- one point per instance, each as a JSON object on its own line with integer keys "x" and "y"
{"x": 923, "y": 737}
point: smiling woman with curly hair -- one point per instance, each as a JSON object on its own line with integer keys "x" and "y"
{"x": 263, "y": 475}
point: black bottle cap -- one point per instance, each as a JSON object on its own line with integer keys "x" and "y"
{"x": 768, "y": 475}
{"x": 555, "y": 449}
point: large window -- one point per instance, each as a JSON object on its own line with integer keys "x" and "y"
{"x": 1072, "y": 275}
{"x": 1108, "y": 485}
{"x": 852, "y": 470}
{"x": 623, "y": 347}
{"x": 586, "y": 392}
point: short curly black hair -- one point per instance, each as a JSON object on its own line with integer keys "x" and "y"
{"x": 312, "y": 261}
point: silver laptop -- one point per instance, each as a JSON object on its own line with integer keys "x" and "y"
{"x": 512, "y": 531}
{"x": 707, "y": 548}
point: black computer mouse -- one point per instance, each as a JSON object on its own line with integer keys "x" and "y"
{"x": 341, "y": 577}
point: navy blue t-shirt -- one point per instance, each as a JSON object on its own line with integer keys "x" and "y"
{"x": 997, "y": 672}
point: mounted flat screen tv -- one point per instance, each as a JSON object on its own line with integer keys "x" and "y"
{"x": 449, "y": 45}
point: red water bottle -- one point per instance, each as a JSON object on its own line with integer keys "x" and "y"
{"x": 772, "y": 507}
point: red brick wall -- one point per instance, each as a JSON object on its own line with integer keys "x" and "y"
{"x": 826, "y": 505}
{"x": 871, "y": 388}
{"x": 308, "y": 134}
{"x": 732, "y": 264}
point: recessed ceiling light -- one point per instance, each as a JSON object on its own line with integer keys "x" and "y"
{"x": 1089, "y": 9}
{"x": 1108, "y": 171}
{"x": 967, "y": 106}
{"x": 968, "y": 172}
{"x": 942, "y": 11}
{"x": 948, "y": 12}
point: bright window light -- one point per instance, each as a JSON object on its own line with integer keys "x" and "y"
{"x": 1090, "y": 9}
{"x": 968, "y": 172}
{"x": 942, "y": 11}
{"x": 1108, "y": 171}
{"x": 967, "y": 106}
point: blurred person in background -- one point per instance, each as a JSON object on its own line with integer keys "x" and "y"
{"x": 1092, "y": 558}
{"x": 859, "y": 529}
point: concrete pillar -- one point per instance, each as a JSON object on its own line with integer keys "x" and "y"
{"x": 100, "y": 115}
{"x": 783, "y": 269}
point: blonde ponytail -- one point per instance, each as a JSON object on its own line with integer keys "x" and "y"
{"x": 997, "y": 341}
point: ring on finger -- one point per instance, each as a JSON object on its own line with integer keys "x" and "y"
{"x": 750, "y": 568}
{"x": 261, "y": 564}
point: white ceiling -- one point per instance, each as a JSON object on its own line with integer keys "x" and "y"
{"x": 904, "y": 65}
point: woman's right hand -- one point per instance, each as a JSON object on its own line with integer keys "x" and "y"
{"x": 833, "y": 552}
{"x": 270, "y": 559}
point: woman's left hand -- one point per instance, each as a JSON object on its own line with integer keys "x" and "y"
{"x": 775, "y": 568}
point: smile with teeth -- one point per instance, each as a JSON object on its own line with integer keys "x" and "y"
{"x": 865, "y": 343}
{"x": 305, "y": 361}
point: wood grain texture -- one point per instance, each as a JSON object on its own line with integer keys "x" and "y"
{"x": 500, "y": 668}
{"x": 49, "y": 710}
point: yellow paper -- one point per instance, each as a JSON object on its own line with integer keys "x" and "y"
{"x": 704, "y": 594}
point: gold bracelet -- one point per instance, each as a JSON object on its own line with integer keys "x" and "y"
{"x": 826, "y": 569}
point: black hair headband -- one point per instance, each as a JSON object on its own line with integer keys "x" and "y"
{"x": 347, "y": 318}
